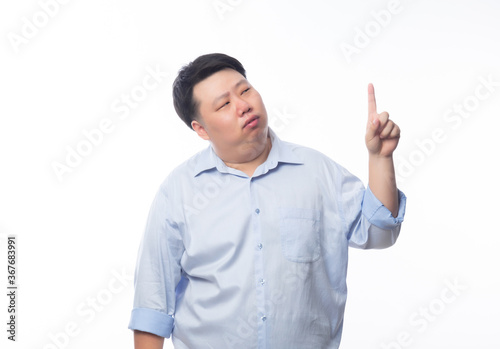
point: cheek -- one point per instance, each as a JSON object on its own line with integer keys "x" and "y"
{"x": 225, "y": 125}
{"x": 258, "y": 101}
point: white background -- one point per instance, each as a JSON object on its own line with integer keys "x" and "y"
{"x": 75, "y": 235}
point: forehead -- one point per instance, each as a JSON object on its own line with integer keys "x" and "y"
{"x": 216, "y": 84}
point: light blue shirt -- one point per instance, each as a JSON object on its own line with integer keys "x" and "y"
{"x": 231, "y": 261}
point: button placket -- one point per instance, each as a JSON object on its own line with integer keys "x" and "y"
{"x": 260, "y": 282}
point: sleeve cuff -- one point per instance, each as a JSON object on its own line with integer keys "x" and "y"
{"x": 378, "y": 215}
{"x": 151, "y": 321}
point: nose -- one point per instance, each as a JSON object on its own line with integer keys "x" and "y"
{"x": 242, "y": 107}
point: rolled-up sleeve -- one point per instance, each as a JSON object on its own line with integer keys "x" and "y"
{"x": 376, "y": 227}
{"x": 157, "y": 271}
{"x": 152, "y": 321}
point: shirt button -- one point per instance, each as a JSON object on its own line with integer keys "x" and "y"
{"x": 263, "y": 318}
{"x": 262, "y": 281}
{"x": 259, "y": 246}
{"x": 257, "y": 211}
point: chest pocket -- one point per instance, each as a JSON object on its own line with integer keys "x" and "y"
{"x": 300, "y": 234}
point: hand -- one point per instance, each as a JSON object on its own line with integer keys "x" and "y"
{"x": 382, "y": 134}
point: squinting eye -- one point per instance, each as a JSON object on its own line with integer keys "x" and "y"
{"x": 245, "y": 90}
{"x": 222, "y": 106}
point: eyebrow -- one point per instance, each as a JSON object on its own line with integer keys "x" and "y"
{"x": 226, "y": 94}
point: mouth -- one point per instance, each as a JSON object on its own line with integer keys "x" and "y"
{"x": 251, "y": 121}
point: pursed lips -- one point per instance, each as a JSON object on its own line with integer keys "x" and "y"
{"x": 249, "y": 120}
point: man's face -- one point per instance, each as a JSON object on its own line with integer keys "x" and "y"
{"x": 232, "y": 114}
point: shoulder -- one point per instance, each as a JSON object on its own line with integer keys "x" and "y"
{"x": 315, "y": 162}
{"x": 187, "y": 170}
{"x": 308, "y": 155}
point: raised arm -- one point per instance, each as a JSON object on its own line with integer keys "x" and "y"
{"x": 382, "y": 137}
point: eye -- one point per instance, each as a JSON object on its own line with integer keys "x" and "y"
{"x": 222, "y": 106}
{"x": 246, "y": 90}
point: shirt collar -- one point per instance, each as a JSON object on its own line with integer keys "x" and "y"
{"x": 281, "y": 152}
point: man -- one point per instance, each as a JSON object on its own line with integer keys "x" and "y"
{"x": 246, "y": 242}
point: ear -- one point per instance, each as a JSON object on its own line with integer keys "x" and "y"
{"x": 200, "y": 130}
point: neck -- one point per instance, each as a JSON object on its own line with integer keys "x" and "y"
{"x": 249, "y": 167}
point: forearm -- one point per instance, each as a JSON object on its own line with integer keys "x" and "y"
{"x": 382, "y": 182}
{"x": 145, "y": 340}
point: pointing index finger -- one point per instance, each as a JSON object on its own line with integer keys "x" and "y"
{"x": 372, "y": 103}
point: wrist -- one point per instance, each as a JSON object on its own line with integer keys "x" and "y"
{"x": 381, "y": 167}
{"x": 379, "y": 157}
